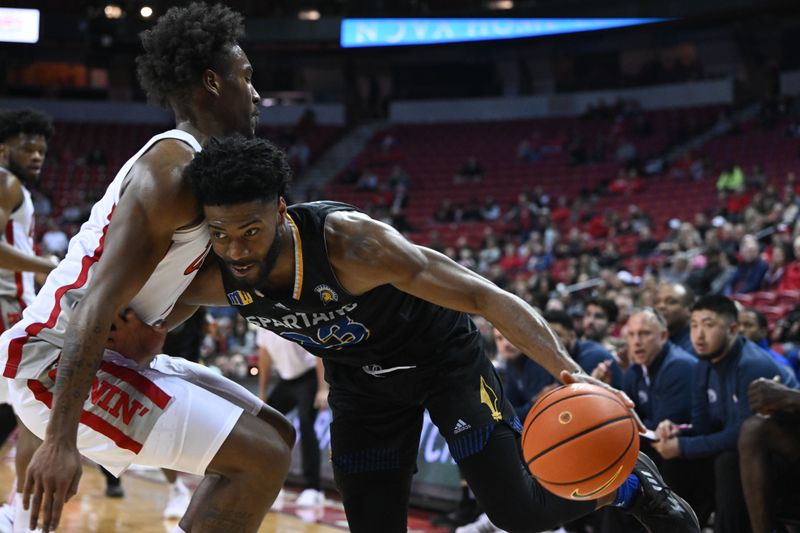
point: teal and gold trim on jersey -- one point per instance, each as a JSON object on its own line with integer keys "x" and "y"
{"x": 298, "y": 259}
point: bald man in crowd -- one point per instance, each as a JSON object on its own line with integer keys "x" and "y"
{"x": 674, "y": 302}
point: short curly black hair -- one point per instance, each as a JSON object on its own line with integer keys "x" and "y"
{"x": 28, "y": 121}
{"x": 236, "y": 170}
{"x": 183, "y": 43}
{"x": 608, "y": 306}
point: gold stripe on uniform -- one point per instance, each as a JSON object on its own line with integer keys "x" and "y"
{"x": 298, "y": 259}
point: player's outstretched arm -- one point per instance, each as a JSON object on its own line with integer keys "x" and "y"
{"x": 367, "y": 254}
{"x": 10, "y": 257}
{"x": 154, "y": 204}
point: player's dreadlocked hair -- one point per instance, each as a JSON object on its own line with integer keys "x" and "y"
{"x": 183, "y": 43}
{"x": 27, "y": 121}
{"x": 237, "y": 170}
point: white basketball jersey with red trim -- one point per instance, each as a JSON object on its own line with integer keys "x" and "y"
{"x": 46, "y": 319}
{"x": 19, "y": 234}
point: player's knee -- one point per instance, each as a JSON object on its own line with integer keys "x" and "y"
{"x": 254, "y": 452}
{"x": 275, "y": 452}
{"x": 280, "y": 423}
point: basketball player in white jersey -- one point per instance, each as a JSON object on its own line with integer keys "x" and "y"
{"x": 142, "y": 245}
{"x": 24, "y": 135}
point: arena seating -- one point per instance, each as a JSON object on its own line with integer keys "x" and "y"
{"x": 66, "y": 179}
{"x": 432, "y": 154}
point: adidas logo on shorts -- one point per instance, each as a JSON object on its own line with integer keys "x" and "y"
{"x": 460, "y": 427}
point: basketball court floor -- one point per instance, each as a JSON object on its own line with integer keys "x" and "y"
{"x": 140, "y": 511}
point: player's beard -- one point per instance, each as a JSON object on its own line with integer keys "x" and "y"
{"x": 19, "y": 171}
{"x": 265, "y": 267}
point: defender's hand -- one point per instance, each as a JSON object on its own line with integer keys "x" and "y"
{"x": 135, "y": 339}
{"x": 52, "y": 479}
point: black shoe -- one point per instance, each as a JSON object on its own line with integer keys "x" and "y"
{"x": 658, "y": 508}
{"x": 115, "y": 491}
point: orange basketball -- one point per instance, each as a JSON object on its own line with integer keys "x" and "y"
{"x": 580, "y": 441}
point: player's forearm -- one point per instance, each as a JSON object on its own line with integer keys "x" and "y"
{"x": 83, "y": 350}
{"x": 17, "y": 261}
{"x": 528, "y": 331}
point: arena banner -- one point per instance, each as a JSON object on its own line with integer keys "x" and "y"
{"x": 414, "y": 31}
{"x": 437, "y": 475}
{"x": 19, "y": 25}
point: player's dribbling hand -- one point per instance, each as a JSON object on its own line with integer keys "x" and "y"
{"x": 579, "y": 377}
{"x": 52, "y": 479}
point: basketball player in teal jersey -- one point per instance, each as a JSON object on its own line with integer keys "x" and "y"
{"x": 390, "y": 321}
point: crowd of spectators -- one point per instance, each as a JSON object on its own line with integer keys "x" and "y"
{"x": 682, "y": 314}
{"x": 559, "y": 252}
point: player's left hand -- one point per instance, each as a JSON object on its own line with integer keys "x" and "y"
{"x": 135, "y": 339}
{"x": 579, "y": 377}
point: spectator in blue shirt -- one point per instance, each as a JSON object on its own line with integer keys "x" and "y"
{"x": 750, "y": 271}
{"x": 728, "y": 364}
{"x": 586, "y": 353}
{"x": 659, "y": 380}
{"x": 769, "y": 452}
{"x": 674, "y": 302}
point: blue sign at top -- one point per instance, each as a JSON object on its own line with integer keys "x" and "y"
{"x": 397, "y": 32}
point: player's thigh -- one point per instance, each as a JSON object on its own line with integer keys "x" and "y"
{"x": 467, "y": 402}
{"x": 369, "y": 435}
{"x": 211, "y": 381}
{"x": 373, "y": 451}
